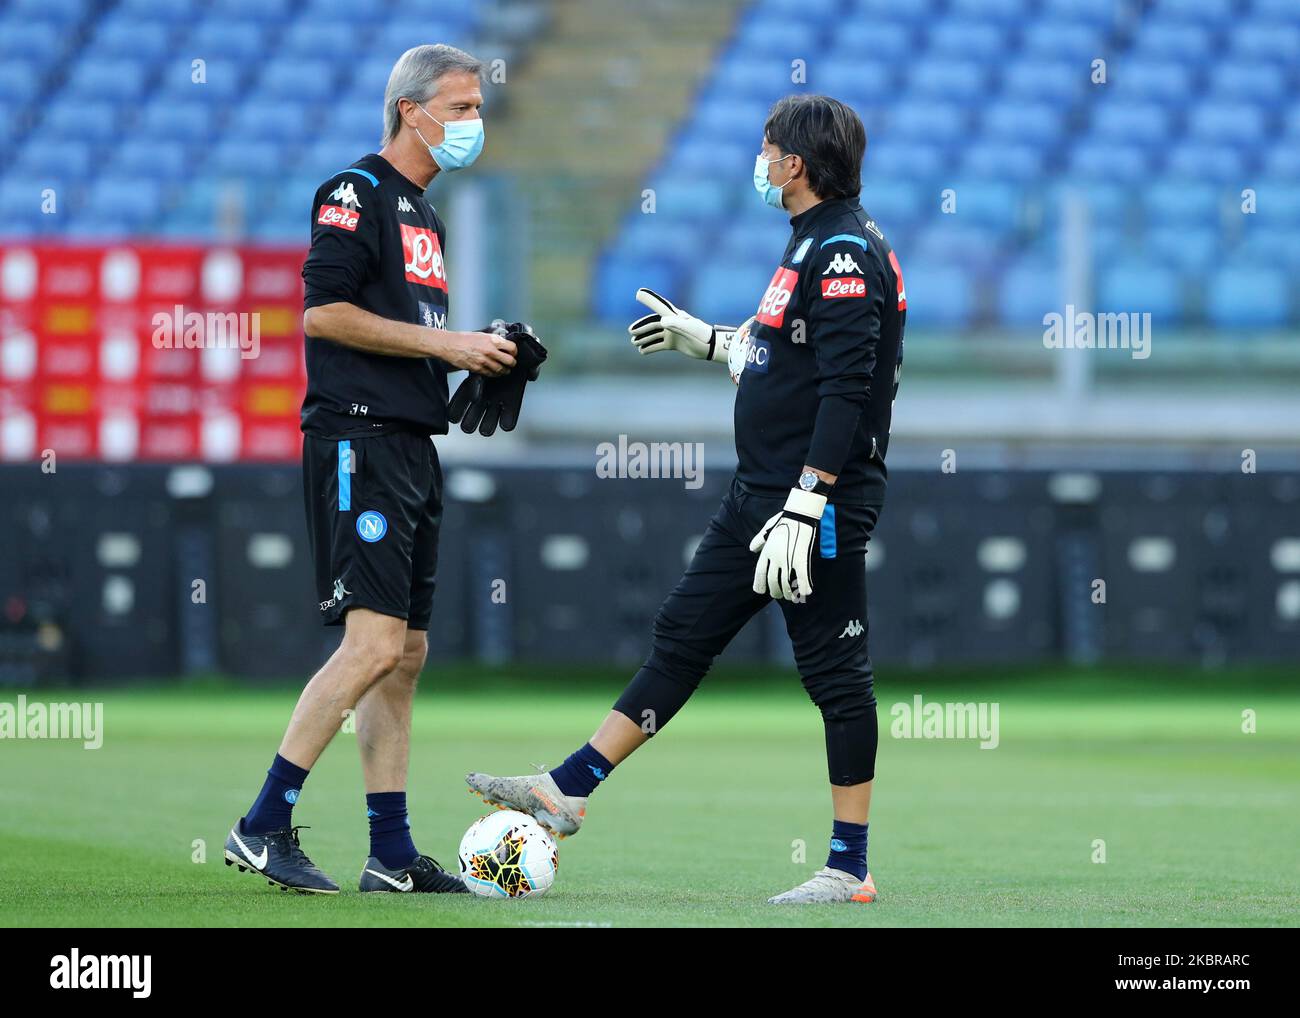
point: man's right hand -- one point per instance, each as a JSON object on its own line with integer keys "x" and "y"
{"x": 671, "y": 328}
{"x": 483, "y": 353}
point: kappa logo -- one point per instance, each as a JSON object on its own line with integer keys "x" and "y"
{"x": 771, "y": 311}
{"x": 340, "y": 592}
{"x": 403, "y": 205}
{"x": 423, "y": 257}
{"x": 854, "y": 628}
{"x": 844, "y": 286}
{"x": 347, "y": 195}
{"x": 841, "y": 263}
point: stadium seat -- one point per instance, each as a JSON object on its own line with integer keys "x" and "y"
{"x": 1135, "y": 284}
{"x": 1247, "y": 296}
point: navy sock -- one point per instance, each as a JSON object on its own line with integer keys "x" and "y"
{"x": 390, "y": 830}
{"x": 582, "y": 772}
{"x": 273, "y": 807}
{"x": 849, "y": 848}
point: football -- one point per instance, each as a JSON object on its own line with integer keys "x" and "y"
{"x": 508, "y": 854}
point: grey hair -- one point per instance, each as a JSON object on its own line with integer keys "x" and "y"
{"x": 416, "y": 74}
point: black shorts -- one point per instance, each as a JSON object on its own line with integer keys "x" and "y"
{"x": 715, "y": 597}
{"x": 374, "y": 507}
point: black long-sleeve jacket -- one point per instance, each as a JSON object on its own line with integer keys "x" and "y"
{"x": 824, "y": 357}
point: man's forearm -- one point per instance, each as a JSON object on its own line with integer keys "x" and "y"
{"x": 349, "y": 325}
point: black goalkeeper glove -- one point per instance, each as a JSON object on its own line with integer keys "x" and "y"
{"x": 481, "y": 403}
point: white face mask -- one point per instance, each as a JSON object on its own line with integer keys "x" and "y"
{"x": 462, "y": 141}
{"x": 769, "y": 192}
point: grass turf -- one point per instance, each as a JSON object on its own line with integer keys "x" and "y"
{"x": 1199, "y": 821}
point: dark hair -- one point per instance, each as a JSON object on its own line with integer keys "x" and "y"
{"x": 826, "y": 135}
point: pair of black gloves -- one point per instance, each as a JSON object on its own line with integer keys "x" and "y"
{"x": 481, "y": 403}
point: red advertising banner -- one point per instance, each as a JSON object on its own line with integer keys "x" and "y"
{"x": 150, "y": 352}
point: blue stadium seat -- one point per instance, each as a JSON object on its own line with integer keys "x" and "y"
{"x": 1001, "y": 12}
{"x": 1103, "y": 160}
{"x": 162, "y": 160}
{"x": 21, "y": 198}
{"x": 873, "y": 40}
{"x": 938, "y": 295}
{"x": 1028, "y": 289}
{"x": 895, "y": 203}
{"x": 1044, "y": 80}
{"x": 928, "y": 121}
{"x": 64, "y": 158}
{"x": 275, "y": 11}
{"x": 1075, "y": 40}
{"x": 1283, "y": 161}
{"x": 1239, "y": 123}
{"x": 214, "y": 40}
{"x": 187, "y": 121}
{"x": 915, "y": 160}
{"x": 221, "y": 80}
{"x": 693, "y": 197}
{"x": 1136, "y": 284}
{"x": 1009, "y": 161}
{"x": 1173, "y": 202}
{"x": 962, "y": 38}
{"x": 1192, "y": 248}
{"x": 958, "y": 81}
{"x": 297, "y": 80}
{"x": 988, "y": 204}
{"x": 132, "y": 38}
{"x": 1263, "y": 41}
{"x": 1218, "y": 163}
{"x": 1277, "y": 202}
{"x": 176, "y": 12}
{"x": 1173, "y": 39}
{"x": 1025, "y": 121}
{"x": 1248, "y": 81}
{"x": 1207, "y": 12}
{"x": 124, "y": 198}
{"x": 617, "y": 279}
{"x": 1102, "y": 13}
{"x": 95, "y": 78}
{"x": 1168, "y": 81}
{"x": 1248, "y": 296}
{"x": 1129, "y": 122}
{"x": 40, "y": 40}
{"x": 762, "y": 35}
{"x": 63, "y": 11}
{"x": 20, "y": 81}
{"x": 267, "y": 120}
{"x": 730, "y": 291}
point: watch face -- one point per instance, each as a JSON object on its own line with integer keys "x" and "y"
{"x": 808, "y": 481}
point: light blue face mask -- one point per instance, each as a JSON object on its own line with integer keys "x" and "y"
{"x": 462, "y": 141}
{"x": 763, "y": 184}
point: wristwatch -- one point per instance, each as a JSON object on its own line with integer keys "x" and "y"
{"x": 809, "y": 481}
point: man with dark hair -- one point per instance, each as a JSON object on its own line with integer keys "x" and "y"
{"x": 817, "y": 369}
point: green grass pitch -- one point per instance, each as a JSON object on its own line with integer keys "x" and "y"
{"x": 1200, "y": 821}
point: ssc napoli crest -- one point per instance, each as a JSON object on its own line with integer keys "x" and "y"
{"x": 371, "y": 526}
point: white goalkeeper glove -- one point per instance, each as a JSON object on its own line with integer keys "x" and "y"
{"x": 784, "y": 547}
{"x": 671, "y": 328}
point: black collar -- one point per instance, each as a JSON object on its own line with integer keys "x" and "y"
{"x": 827, "y": 207}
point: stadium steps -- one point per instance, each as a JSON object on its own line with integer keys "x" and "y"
{"x": 588, "y": 114}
